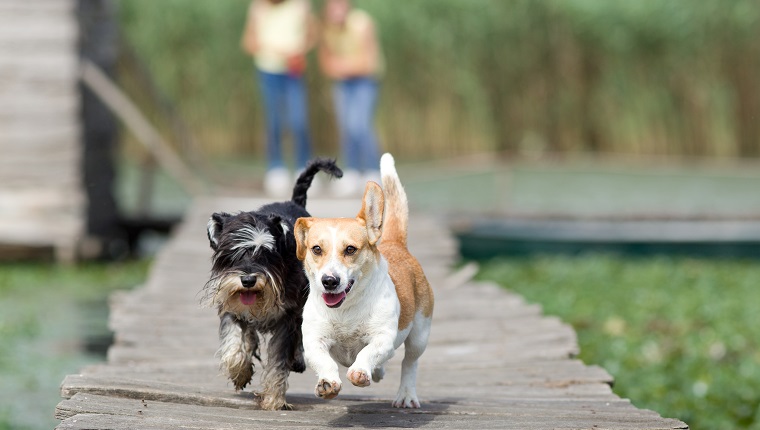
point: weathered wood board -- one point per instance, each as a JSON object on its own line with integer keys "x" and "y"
{"x": 493, "y": 361}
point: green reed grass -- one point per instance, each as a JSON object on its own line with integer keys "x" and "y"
{"x": 673, "y": 77}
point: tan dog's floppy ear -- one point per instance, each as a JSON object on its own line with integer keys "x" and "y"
{"x": 300, "y": 229}
{"x": 373, "y": 205}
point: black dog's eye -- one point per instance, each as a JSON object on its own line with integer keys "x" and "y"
{"x": 316, "y": 250}
{"x": 350, "y": 250}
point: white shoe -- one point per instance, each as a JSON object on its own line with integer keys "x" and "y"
{"x": 350, "y": 185}
{"x": 277, "y": 182}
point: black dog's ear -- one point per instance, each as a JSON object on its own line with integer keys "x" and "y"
{"x": 277, "y": 226}
{"x": 214, "y": 228}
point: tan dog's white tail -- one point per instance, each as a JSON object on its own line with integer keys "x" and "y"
{"x": 396, "y": 206}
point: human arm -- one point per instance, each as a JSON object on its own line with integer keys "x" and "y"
{"x": 248, "y": 41}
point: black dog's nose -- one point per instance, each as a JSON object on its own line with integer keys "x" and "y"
{"x": 330, "y": 282}
{"x": 248, "y": 281}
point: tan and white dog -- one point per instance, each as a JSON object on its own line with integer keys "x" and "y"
{"x": 366, "y": 296}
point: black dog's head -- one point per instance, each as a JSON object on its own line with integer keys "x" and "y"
{"x": 249, "y": 264}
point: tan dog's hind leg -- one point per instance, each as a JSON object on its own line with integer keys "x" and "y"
{"x": 414, "y": 345}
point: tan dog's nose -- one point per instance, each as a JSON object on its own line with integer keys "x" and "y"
{"x": 330, "y": 282}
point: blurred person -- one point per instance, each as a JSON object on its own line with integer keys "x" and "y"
{"x": 279, "y": 34}
{"x": 350, "y": 55}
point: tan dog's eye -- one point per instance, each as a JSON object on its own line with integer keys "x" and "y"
{"x": 316, "y": 250}
{"x": 350, "y": 250}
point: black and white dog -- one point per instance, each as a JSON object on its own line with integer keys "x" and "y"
{"x": 258, "y": 287}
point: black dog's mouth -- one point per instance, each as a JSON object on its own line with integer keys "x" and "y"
{"x": 248, "y": 297}
{"x": 335, "y": 300}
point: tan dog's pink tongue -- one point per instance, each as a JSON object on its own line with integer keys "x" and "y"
{"x": 333, "y": 299}
{"x": 248, "y": 298}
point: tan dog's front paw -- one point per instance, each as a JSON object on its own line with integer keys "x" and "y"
{"x": 327, "y": 389}
{"x": 360, "y": 378}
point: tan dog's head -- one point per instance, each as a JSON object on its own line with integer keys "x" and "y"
{"x": 339, "y": 252}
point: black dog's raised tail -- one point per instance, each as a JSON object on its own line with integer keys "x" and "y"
{"x": 304, "y": 180}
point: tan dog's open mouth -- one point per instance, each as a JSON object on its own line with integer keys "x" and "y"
{"x": 335, "y": 300}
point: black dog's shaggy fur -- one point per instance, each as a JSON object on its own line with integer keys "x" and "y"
{"x": 259, "y": 287}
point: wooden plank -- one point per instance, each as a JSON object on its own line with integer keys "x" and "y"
{"x": 65, "y": 134}
{"x": 62, "y": 236}
{"x": 21, "y": 100}
{"x": 12, "y": 8}
{"x": 36, "y": 199}
{"x": 63, "y": 63}
{"x": 544, "y": 370}
{"x": 448, "y": 375}
{"x": 201, "y": 391}
{"x": 33, "y": 26}
{"x": 39, "y": 106}
{"x": 87, "y": 413}
{"x": 39, "y": 179}
{"x": 49, "y": 147}
{"x": 96, "y": 404}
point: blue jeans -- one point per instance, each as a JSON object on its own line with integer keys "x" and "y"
{"x": 355, "y": 101}
{"x": 285, "y": 97}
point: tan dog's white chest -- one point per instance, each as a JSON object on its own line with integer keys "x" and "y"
{"x": 348, "y": 343}
{"x": 373, "y": 312}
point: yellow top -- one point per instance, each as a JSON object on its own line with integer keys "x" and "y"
{"x": 347, "y": 41}
{"x": 281, "y": 31}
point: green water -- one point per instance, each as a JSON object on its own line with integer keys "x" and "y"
{"x": 53, "y": 321}
{"x": 583, "y": 189}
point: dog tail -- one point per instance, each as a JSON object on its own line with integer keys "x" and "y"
{"x": 304, "y": 179}
{"x": 396, "y": 206}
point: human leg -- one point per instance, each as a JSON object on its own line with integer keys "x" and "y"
{"x": 299, "y": 121}
{"x": 342, "y": 94}
{"x": 351, "y": 183}
{"x": 365, "y": 101}
{"x": 272, "y": 91}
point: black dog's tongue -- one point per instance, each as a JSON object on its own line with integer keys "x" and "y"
{"x": 248, "y": 298}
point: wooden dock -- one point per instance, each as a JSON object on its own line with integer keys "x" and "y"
{"x": 493, "y": 361}
{"x": 41, "y": 195}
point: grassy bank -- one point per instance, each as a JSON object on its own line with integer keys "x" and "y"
{"x": 680, "y": 336}
{"x": 51, "y": 318}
